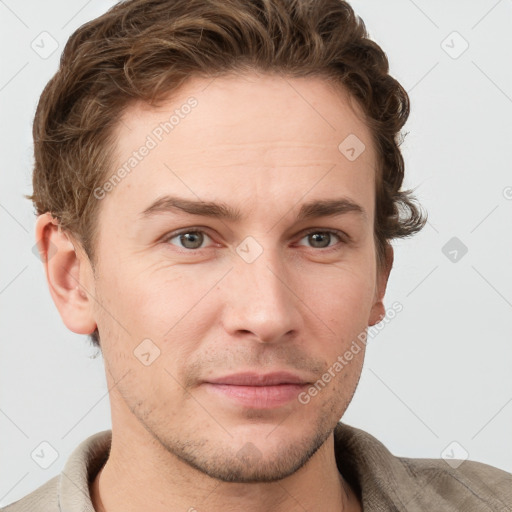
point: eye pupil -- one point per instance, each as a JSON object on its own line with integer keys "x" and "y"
{"x": 194, "y": 237}
{"x": 315, "y": 237}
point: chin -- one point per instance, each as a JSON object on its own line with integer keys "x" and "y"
{"x": 250, "y": 463}
{"x": 250, "y": 453}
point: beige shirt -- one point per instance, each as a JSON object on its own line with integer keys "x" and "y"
{"x": 382, "y": 481}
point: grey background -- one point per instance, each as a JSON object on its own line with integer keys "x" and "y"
{"x": 437, "y": 381}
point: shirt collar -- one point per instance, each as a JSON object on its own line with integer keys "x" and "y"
{"x": 381, "y": 480}
{"x": 81, "y": 468}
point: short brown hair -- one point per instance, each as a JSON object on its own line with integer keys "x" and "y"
{"x": 146, "y": 49}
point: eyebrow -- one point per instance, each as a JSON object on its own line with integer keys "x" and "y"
{"x": 313, "y": 209}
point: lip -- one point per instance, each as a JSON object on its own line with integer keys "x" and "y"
{"x": 259, "y": 379}
{"x": 257, "y": 391}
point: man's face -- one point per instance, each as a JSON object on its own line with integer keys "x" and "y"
{"x": 264, "y": 299}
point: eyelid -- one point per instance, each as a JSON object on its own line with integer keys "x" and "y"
{"x": 344, "y": 237}
{"x": 193, "y": 229}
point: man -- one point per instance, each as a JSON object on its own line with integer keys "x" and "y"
{"x": 217, "y": 184}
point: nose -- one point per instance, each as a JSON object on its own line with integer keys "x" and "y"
{"x": 259, "y": 300}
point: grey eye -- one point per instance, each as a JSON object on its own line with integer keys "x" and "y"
{"x": 321, "y": 239}
{"x": 190, "y": 239}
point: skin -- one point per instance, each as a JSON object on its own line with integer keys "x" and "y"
{"x": 264, "y": 145}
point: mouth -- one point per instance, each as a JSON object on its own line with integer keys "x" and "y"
{"x": 257, "y": 391}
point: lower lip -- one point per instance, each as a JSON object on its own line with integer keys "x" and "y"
{"x": 258, "y": 397}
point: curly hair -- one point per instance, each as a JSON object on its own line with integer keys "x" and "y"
{"x": 146, "y": 49}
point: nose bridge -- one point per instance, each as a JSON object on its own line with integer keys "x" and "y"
{"x": 259, "y": 298}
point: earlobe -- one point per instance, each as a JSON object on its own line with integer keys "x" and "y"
{"x": 378, "y": 310}
{"x": 66, "y": 268}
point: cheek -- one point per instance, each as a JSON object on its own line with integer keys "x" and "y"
{"x": 173, "y": 310}
{"x": 171, "y": 300}
{"x": 344, "y": 297}
{"x": 343, "y": 303}
{"x": 141, "y": 297}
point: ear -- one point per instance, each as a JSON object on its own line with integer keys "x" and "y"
{"x": 378, "y": 310}
{"x": 69, "y": 274}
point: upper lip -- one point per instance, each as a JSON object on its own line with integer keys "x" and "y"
{"x": 259, "y": 379}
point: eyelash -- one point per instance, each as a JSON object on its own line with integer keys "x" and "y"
{"x": 344, "y": 238}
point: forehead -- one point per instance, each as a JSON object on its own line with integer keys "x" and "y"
{"x": 241, "y": 137}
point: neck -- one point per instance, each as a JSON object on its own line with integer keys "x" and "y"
{"x": 141, "y": 475}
